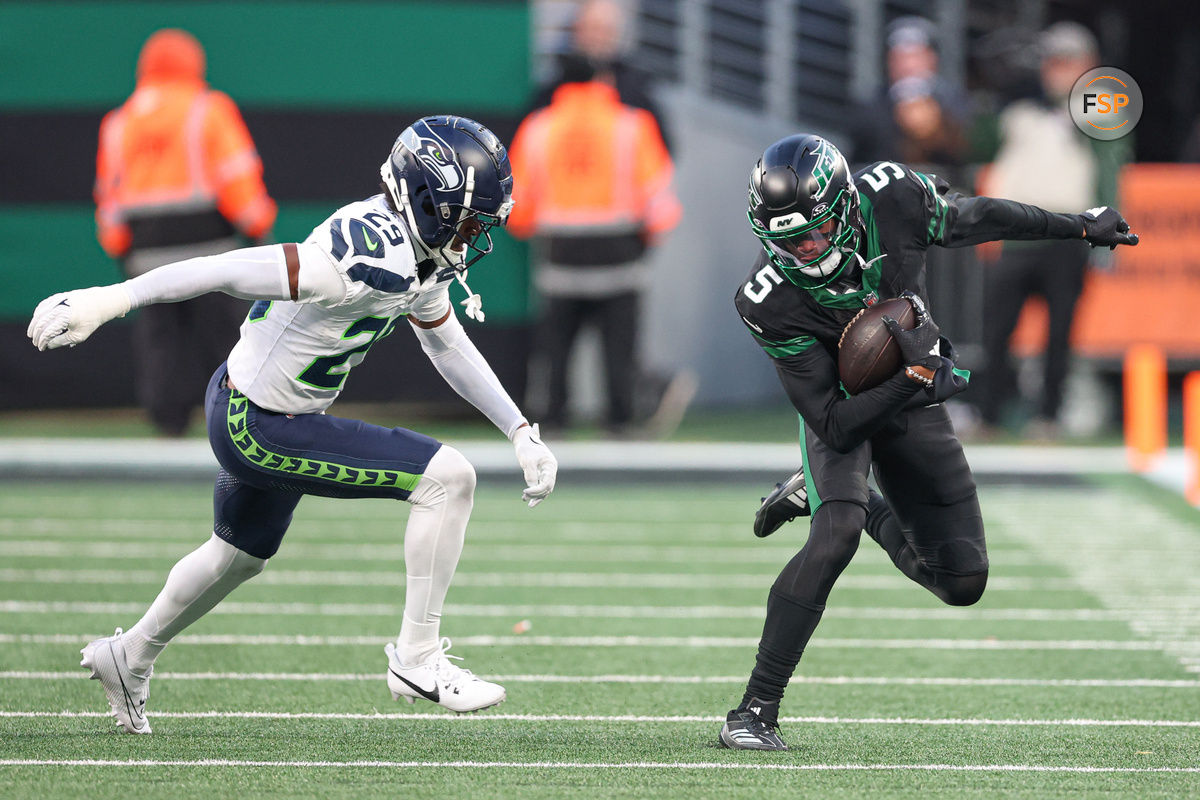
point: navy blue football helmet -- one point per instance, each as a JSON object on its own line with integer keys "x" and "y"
{"x": 804, "y": 208}
{"x": 451, "y": 179}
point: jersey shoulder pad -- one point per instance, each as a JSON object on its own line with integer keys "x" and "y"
{"x": 902, "y": 196}
{"x": 370, "y": 244}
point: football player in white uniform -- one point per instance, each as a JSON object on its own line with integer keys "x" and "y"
{"x": 320, "y": 306}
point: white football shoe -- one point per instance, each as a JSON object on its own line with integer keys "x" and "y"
{"x": 441, "y": 682}
{"x": 127, "y": 693}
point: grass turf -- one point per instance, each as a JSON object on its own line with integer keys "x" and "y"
{"x": 1070, "y": 678}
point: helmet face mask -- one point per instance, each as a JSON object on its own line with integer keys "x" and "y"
{"x": 804, "y": 209}
{"x": 451, "y": 179}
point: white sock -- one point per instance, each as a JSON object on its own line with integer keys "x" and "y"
{"x": 199, "y": 581}
{"x": 433, "y": 542}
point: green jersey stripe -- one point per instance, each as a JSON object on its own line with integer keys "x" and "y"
{"x": 797, "y": 345}
{"x": 937, "y": 222}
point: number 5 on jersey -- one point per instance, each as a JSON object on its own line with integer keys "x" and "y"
{"x": 767, "y": 279}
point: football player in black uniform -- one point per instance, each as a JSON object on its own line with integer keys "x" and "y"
{"x": 833, "y": 244}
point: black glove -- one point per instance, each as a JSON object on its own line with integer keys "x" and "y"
{"x": 1105, "y": 227}
{"x": 946, "y": 349}
{"x": 920, "y": 345}
{"x": 946, "y": 384}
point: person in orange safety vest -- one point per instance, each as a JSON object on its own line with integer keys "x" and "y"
{"x": 178, "y": 176}
{"x": 593, "y": 188}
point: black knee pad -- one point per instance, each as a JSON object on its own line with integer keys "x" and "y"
{"x": 960, "y": 590}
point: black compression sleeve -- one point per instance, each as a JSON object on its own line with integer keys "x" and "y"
{"x": 811, "y": 382}
{"x": 988, "y": 219}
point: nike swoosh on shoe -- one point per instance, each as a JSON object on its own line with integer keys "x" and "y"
{"x": 434, "y": 696}
{"x": 135, "y": 710}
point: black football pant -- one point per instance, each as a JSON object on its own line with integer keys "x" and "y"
{"x": 927, "y": 520}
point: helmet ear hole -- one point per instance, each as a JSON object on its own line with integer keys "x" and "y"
{"x": 424, "y": 199}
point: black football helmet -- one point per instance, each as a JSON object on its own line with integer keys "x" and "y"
{"x": 445, "y": 171}
{"x": 804, "y": 209}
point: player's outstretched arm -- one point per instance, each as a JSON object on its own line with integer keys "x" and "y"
{"x": 988, "y": 219}
{"x": 274, "y": 272}
{"x": 464, "y": 368}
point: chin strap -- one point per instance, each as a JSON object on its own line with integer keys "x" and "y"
{"x": 866, "y": 265}
{"x": 473, "y": 303}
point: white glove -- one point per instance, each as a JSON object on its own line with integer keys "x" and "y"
{"x": 68, "y": 318}
{"x": 537, "y": 462}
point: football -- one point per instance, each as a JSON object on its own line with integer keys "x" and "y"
{"x": 867, "y": 353}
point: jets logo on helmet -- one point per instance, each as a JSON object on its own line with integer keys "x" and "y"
{"x": 823, "y": 169}
{"x": 804, "y": 208}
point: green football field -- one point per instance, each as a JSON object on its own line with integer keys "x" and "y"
{"x": 1077, "y": 675}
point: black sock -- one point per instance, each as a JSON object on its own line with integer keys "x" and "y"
{"x": 789, "y": 625}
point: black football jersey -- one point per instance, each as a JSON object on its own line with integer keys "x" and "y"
{"x": 904, "y": 212}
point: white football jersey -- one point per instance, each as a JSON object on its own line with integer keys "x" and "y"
{"x": 294, "y": 357}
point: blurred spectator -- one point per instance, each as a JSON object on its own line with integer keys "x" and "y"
{"x": 594, "y": 51}
{"x": 1046, "y": 161}
{"x": 919, "y": 118}
{"x": 177, "y": 176}
{"x": 592, "y": 186}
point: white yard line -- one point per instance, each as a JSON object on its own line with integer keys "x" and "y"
{"x": 636, "y": 718}
{"x": 1133, "y": 557}
{"x": 617, "y": 765}
{"x": 833, "y": 680}
{"x": 624, "y": 641}
{"x": 234, "y": 607}
{"x": 559, "y": 580}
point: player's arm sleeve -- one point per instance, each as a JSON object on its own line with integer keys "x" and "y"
{"x": 810, "y": 380}
{"x": 464, "y": 368}
{"x": 956, "y": 220}
{"x": 275, "y": 272}
{"x": 987, "y": 219}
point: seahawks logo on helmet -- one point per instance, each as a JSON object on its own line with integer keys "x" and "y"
{"x": 436, "y": 157}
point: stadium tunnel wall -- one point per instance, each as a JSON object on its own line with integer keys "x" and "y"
{"x": 324, "y": 89}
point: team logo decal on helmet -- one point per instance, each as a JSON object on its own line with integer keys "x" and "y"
{"x": 823, "y": 169}
{"x": 804, "y": 208}
{"x": 431, "y": 152}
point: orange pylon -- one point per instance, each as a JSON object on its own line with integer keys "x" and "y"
{"x": 1145, "y": 406}
{"x": 1191, "y": 436}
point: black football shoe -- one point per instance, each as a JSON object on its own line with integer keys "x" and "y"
{"x": 752, "y": 726}
{"x": 788, "y": 501}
